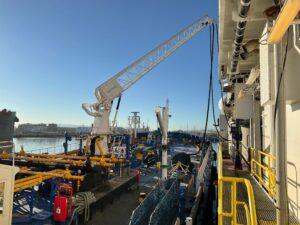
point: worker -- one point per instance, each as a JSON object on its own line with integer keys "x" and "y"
{"x": 65, "y": 144}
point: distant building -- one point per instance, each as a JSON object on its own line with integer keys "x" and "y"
{"x": 33, "y": 128}
{"x": 84, "y": 130}
{"x": 69, "y": 130}
{"x": 52, "y": 127}
{"x": 49, "y": 130}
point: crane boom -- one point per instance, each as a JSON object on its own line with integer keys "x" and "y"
{"x": 113, "y": 88}
{"x": 132, "y": 73}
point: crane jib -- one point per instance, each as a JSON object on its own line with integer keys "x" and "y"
{"x": 113, "y": 88}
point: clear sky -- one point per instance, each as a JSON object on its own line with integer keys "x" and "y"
{"x": 53, "y": 54}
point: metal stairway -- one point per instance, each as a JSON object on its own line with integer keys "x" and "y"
{"x": 264, "y": 205}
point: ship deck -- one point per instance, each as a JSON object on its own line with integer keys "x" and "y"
{"x": 119, "y": 207}
{"x": 265, "y": 205}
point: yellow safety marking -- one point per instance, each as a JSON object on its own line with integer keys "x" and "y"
{"x": 99, "y": 145}
{"x": 53, "y": 160}
{"x": 285, "y": 18}
{"x": 250, "y": 208}
{"x": 262, "y": 170}
{"x": 87, "y": 144}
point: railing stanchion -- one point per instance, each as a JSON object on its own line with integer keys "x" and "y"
{"x": 250, "y": 211}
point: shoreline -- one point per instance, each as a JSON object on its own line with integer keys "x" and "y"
{"x": 44, "y": 135}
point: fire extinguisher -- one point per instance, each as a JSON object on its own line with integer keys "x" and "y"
{"x": 63, "y": 202}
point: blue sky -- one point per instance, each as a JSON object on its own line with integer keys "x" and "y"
{"x": 53, "y": 54}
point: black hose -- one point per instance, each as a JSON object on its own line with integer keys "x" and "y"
{"x": 118, "y": 104}
{"x": 281, "y": 75}
{"x": 211, "y": 39}
{"x": 212, "y": 101}
{"x": 214, "y": 116}
{"x": 277, "y": 94}
{"x": 222, "y": 98}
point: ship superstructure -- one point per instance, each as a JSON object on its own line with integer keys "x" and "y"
{"x": 259, "y": 62}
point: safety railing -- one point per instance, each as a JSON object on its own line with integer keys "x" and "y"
{"x": 249, "y": 206}
{"x": 56, "y": 149}
{"x": 261, "y": 169}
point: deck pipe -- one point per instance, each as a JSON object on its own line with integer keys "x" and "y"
{"x": 239, "y": 34}
{"x": 41, "y": 166}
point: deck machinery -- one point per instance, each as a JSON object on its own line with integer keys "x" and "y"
{"x": 49, "y": 176}
{"x": 70, "y": 167}
{"x": 107, "y": 92}
{"x": 92, "y": 167}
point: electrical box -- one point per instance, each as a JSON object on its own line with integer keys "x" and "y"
{"x": 243, "y": 107}
{"x": 223, "y": 126}
{"x": 266, "y": 70}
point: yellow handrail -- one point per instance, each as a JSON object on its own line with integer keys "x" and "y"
{"x": 263, "y": 171}
{"x": 250, "y": 209}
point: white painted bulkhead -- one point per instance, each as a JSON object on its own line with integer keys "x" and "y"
{"x": 261, "y": 122}
{"x": 293, "y": 156}
{"x": 292, "y": 94}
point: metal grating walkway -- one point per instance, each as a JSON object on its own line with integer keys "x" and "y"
{"x": 265, "y": 207}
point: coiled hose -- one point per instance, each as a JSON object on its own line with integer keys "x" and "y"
{"x": 82, "y": 203}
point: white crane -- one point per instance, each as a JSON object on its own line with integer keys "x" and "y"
{"x": 115, "y": 86}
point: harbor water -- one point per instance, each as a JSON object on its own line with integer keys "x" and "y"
{"x": 44, "y": 145}
{"x": 52, "y": 145}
